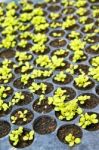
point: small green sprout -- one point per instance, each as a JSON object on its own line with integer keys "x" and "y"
{"x": 82, "y": 80}
{"x": 95, "y": 47}
{"x": 69, "y": 22}
{"x": 78, "y": 55}
{"x": 87, "y": 120}
{"x": 20, "y": 115}
{"x": 41, "y": 98}
{"x": 5, "y": 74}
{"x": 80, "y": 3}
{"x": 68, "y": 110}
{"x": 22, "y": 56}
{"x": 3, "y": 91}
{"x": 72, "y": 69}
{"x": 39, "y": 38}
{"x": 60, "y": 52}
{"x": 23, "y": 43}
{"x": 95, "y": 61}
{"x": 94, "y": 72}
{"x": 77, "y": 44}
{"x": 72, "y": 140}
{"x": 83, "y": 19}
{"x": 39, "y": 73}
{"x": 95, "y": 12}
{"x": 8, "y": 42}
{"x": 3, "y": 105}
{"x": 81, "y": 11}
{"x": 39, "y": 47}
{"x": 25, "y": 78}
{"x": 36, "y": 86}
{"x": 88, "y": 27}
{"x": 59, "y": 97}
{"x": 45, "y": 61}
{"x": 83, "y": 98}
{"x": 29, "y": 136}
{"x": 61, "y": 76}
{"x": 18, "y": 96}
{"x": 27, "y": 66}
{"x": 74, "y": 34}
{"x": 54, "y": 16}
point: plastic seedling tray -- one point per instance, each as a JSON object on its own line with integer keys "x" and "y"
{"x": 50, "y": 141}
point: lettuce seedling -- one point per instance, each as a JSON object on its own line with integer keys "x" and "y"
{"x": 83, "y": 98}
{"x": 72, "y": 140}
{"x": 82, "y": 80}
{"x": 3, "y": 91}
{"x": 61, "y": 76}
{"x": 87, "y": 119}
{"x": 18, "y": 96}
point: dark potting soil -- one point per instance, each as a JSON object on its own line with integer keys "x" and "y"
{"x": 44, "y": 124}
{"x": 43, "y": 107}
{"x": 4, "y": 128}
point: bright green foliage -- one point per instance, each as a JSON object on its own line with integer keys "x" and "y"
{"x": 15, "y": 135}
{"x": 55, "y": 24}
{"x": 88, "y": 27}
{"x": 18, "y": 96}
{"x": 78, "y": 55}
{"x": 40, "y": 23}
{"x": 83, "y": 98}
{"x": 81, "y": 11}
{"x": 59, "y": 97}
{"x": 5, "y": 74}
{"x": 82, "y": 80}
{"x": 80, "y": 3}
{"x": 40, "y": 73}
{"x": 41, "y": 98}
{"x": 25, "y": 17}
{"x": 39, "y": 38}
{"x": 27, "y": 66}
{"x": 72, "y": 140}
{"x": 87, "y": 119}
{"x": 45, "y": 61}
{"x": 39, "y": 47}
{"x": 95, "y": 47}
{"x": 29, "y": 136}
{"x": 3, "y": 106}
{"x": 54, "y": 16}
{"x": 95, "y": 12}
{"x": 60, "y": 52}
{"x": 77, "y": 44}
{"x": 23, "y": 43}
{"x": 68, "y": 110}
{"x": 94, "y": 72}
{"x": 20, "y": 115}
{"x": 38, "y": 86}
{"x": 95, "y": 61}
{"x": 8, "y": 42}
{"x": 22, "y": 56}
{"x": 3, "y": 91}
{"x": 69, "y": 22}
{"x": 61, "y": 76}
{"x": 25, "y": 78}
{"x": 74, "y": 34}
{"x": 83, "y": 19}
{"x": 72, "y": 69}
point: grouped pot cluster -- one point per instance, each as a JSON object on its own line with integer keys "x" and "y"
{"x": 49, "y": 62}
